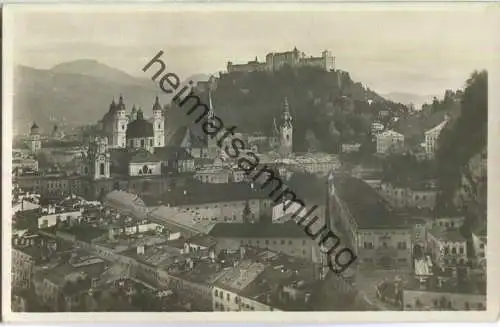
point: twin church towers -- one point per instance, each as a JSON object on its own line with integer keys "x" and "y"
{"x": 132, "y": 130}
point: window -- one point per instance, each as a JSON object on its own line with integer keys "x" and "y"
{"x": 101, "y": 169}
{"x": 282, "y": 242}
{"x": 142, "y": 143}
{"x": 159, "y": 126}
{"x": 216, "y": 294}
{"x": 123, "y": 127}
{"x": 267, "y": 242}
{"x": 461, "y": 250}
{"x": 228, "y": 297}
{"x": 131, "y": 143}
{"x": 221, "y": 295}
{"x": 454, "y": 250}
{"x": 290, "y": 242}
{"x": 151, "y": 142}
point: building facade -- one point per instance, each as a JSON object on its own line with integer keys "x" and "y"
{"x": 388, "y": 141}
{"x": 276, "y": 60}
{"x": 431, "y": 138}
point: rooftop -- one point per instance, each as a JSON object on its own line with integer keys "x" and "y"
{"x": 199, "y": 193}
{"x": 447, "y": 234}
{"x": 258, "y": 230}
{"x": 368, "y": 208}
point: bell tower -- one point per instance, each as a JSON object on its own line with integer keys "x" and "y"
{"x": 98, "y": 159}
{"x": 120, "y": 125}
{"x": 158, "y": 124}
{"x": 286, "y": 131}
{"x": 35, "y": 141}
{"x": 213, "y": 148}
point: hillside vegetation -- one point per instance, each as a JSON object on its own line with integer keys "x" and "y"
{"x": 328, "y": 107}
{"x": 462, "y": 152}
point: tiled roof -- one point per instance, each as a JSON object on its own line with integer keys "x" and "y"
{"x": 197, "y": 193}
{"x": 367, "y": 207}
{"x": 447, "y": 235}
{"x": 172, "y": 153}
{"x": 259, "y": 230}
{"x": 196, "y": 136}
{"x": 143, "y": 155}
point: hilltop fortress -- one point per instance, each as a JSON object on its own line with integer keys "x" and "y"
{"x": 275, "y": 61}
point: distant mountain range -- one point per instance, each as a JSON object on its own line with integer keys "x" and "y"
{"x": 77, "y": 93}
{"x": 406, "y": 98}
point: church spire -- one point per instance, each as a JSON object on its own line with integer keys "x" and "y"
{"x": 285, "y": 105}
{"x": 157, "y": 105}
{"x": 211, "y": 113}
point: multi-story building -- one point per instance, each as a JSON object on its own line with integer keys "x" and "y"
{"x": 287, "y": 238}
{"x": 275, "y": 61}
{"x": 20, "y": 165}
{"x": 417, "y": 299}
{"x": 23, "y": 266}
{"x": 379, "y": 238}
{"x": 230, "y": 202}
{"x": 479, "y": 241}
{"x": 389, "y": 141}
{"x": 421, "y": 195}
{"x": 432, "y": 136}
{"x": 449, "y": 251}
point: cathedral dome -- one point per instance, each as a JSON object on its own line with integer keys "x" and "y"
{"x": 140, "y": 127}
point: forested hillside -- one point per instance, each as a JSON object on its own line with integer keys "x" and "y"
{"x": 462, "y": 153}
{"x": 328, "y": 107}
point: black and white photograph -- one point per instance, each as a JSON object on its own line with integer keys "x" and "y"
{"x": 193, "y": 160}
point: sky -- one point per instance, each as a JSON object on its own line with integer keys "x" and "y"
{"x": 421, "y": 51}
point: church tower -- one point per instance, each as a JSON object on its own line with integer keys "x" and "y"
{"x": 286, "y": 131}
{"x": 213, "y": 148}
{"x": 97, "y": 161}
{"x": 158, "y": 124}
{"x": 120, "y": 125}
{"x": 35, "y": 142}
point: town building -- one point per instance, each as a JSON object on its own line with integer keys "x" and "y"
{"x": 229, "y": 202}
{"x": 287, "y": 238}
{"x": 449, "y": 251}
{"x": 389, "y": 141}
{"x": 432, "y": 136}
{"x": 379, "y": 238}
{"x": 432, "y": 296}
{"x": 410, "y": 195}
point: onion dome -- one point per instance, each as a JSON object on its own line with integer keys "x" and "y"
{"x": 112, "y": 106}
{"x": 121, "y": 104}
{"x": 140, "y": 127}
{"x": 34, "y": 128}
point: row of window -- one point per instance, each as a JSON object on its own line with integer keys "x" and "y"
{"x": 232, "y": 204}
{"x": 274, "y": 242}
{"x": 446, "y": 249}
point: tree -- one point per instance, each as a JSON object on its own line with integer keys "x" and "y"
{"x": 247, "y": 213}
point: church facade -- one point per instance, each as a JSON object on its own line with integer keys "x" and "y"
{"x": 115, "y": 124}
